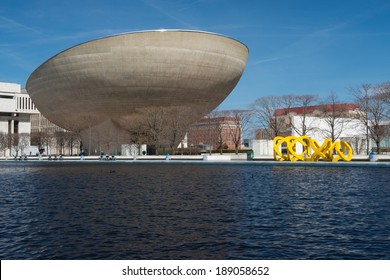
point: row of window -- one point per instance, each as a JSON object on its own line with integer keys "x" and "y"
{"x": 24, "y": 103}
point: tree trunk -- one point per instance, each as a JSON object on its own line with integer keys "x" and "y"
{"x": 378, "y": 147}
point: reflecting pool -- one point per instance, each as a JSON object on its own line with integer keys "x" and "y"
{"x": 167, "y": 210}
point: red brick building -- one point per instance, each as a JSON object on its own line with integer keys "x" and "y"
{"x": 214, "y": 132}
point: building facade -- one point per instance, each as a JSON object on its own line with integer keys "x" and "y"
{"x": 292, "y": 118}
{"x": 349, "y": 130}
{"x": 96, "y": 87}
{"x": 337, "y": 121}
{"x": 52, "y": 139}
{"x": 212, "y": 133}
{"x": 16, "y": 108}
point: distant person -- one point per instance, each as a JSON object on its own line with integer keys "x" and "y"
{"x": 372, "y": 156}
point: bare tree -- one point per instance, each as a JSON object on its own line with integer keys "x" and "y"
{"x": 13, "y": 139}
{"x": 275, "y": 114}
{"x": 207, "y": 131}
{"x": 238, "y": 125}
{"x": 136, "y": 129}
{"x": 21, "y": 141}
{"x": 154, "y": 119}
{"x": 384, "y": 89}
{"x": 178, "y": 120}
{"x": 264, "y": 111}
{"x": 105, "y": 138}
{"x": 38, "y": 139}
{"x": 373, "y": 102}
{"x": 200, "y": 133}
{"x": 362, "y": 94}
{"x": 220, "y": 139}
{"x": 72, "y": 140}
{"x": 216, "y": 127}
{"x": 60, "y": 138}
{"x": 384, "y": 93}
{"x": 47, "y": 140}
{"x": 335, "y": 117}
{"x": 302, "y": 127}
{"x": 3, "y": 142}
{"x": 359, "y": 145}
{"x": 72, "y": 135}
{"x": 89, "y": 121}
{"x": 41, "y": 139}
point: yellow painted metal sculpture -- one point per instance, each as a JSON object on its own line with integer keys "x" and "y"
{"x": 311, "y": 149}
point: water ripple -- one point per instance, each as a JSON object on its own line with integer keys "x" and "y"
{"x": 193, "y": 211}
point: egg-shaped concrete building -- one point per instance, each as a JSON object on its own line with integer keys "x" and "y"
{"x": 95, "y": 85}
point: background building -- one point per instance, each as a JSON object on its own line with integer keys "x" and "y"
{"x": 336, "y": 121}
{"x": 212, "y": 133}
{"x": 385, "y": 143}
{"x": 16, "y": 107}
{"x": 23, "y": 130}
{"x": 99, "y": 87}
{"x": 52, "y": 139}
{"x": 349, "y": 130}
{"x": 295, "y": 118}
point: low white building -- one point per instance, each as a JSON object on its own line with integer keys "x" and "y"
{"x": 346, "y": 129}
{"x": 15, "y": 110}
{"x": 262, "y": 148}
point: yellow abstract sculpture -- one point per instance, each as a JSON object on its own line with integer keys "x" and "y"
{"x": 311, "y": 149}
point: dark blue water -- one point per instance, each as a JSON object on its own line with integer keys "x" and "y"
{"x": 63, "y": 210}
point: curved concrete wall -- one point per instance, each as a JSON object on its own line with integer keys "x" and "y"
{"x": 106, "y": 79}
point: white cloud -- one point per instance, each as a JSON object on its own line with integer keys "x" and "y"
{"x": 12, "y": 26}
{"x": 271, "y": 59}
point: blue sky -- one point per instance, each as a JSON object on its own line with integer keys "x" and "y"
{"x": 296, "y": 47}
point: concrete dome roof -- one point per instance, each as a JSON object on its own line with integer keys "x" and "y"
{"x": 112, "y": 77}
